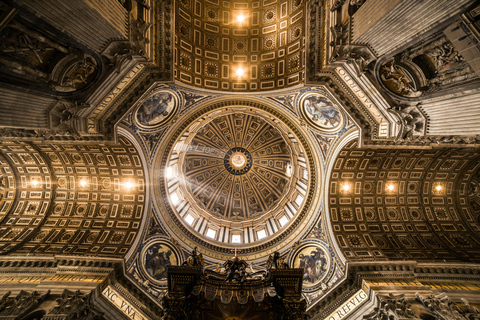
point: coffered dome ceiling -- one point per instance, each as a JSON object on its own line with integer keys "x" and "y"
{"x": 240, "y": 45}
{"x": 237, "y": 167}
{"x": 236, "y": 176}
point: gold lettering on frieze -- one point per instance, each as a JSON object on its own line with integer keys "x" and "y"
{"x": 372, "y": 108}
{"x": 55, "y": 277}
{"x": 107, "y": 101}
{"x": 349, "y": 306}
{"x": 123, "y": 305}
{"x": 376, "y": 284}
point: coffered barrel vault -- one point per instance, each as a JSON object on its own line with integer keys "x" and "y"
{"x": 70, "y": 198}
{"x": 240, "y": 45}
{"x": 406, "y": 204}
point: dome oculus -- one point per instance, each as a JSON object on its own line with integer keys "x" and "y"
{"x": 238, "y": 161}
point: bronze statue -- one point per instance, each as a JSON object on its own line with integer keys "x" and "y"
{"x": 194, "y": 260}
{"x": 276, "y": 261}
{"x": 236, "y": 270}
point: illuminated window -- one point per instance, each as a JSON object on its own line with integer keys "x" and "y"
{"x": 174, "y": 198}
{"x": 236, "y": 238}
{"x": 189, "y": 219}
{"x": 299, "y": 200}
{"x": 211, "y": 233}
{"x": 305, "y": 174}
{"x": 283, "y": 221}
{"x": 261, "y": 234}
{"x": 169, "y": 172}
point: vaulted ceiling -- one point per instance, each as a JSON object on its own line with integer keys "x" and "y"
{"x": 216, "y": 39}
{"x": 70, "y": 198}
{"x": 402, "y": 204}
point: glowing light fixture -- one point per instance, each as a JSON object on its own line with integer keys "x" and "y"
{"x": 346, "y": 187}
{"x": 128, "y": 184}
{"x": 239, "y": 72}
{"x": 83, "y": 183}
{"x": 390, "y": 187}
{"x": 241, "y": 18}
{"x": 35, "y": 183}
{"x": 439, "y": 187}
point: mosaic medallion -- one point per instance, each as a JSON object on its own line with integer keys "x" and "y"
{"x": 156, "y": 258}
{"x": 321, "y": 113}
{"x": 157, "y": 109}
{"x": 314, "y": 261}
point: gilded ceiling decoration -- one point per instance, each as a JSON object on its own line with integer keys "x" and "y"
{"x": 70, "y": 199}
{"x": 240, "y": 45}
{"x": 406, "y": 204}
{"x": 238, "y": 167}
{"x": 236, "y": 173}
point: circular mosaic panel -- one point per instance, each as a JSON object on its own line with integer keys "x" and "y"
{"x": 156, "y": 258}
{"x": 314, "y": 261}
{"x": 157, "y": 109}
{"x": 320, "y": 112}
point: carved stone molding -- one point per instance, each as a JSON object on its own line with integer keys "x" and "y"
{"x": 360, "y": 56}
{"x": 412, "y": 119}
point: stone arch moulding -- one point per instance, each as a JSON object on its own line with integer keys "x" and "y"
{"x": 362, "y": 101}
{"x": 347, "y": 139}
{"x": 122, "y": 131}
